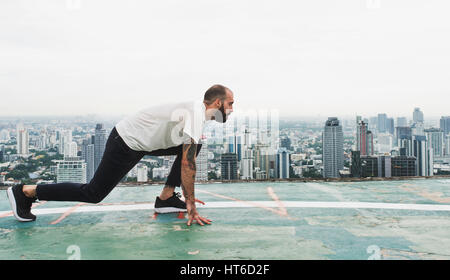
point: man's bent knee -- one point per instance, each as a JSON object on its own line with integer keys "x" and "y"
{"x": 92, "y": 195}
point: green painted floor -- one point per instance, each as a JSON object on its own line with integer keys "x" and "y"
{"x": 261, "y": 221}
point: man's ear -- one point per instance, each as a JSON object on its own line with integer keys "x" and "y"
{"x": 218, "y": 102}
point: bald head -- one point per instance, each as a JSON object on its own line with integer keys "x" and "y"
{"x": 215, "y": 92}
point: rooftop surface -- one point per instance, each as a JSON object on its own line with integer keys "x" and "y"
{"x": 262, "y": 220}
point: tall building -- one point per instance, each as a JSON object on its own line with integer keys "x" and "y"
{"x": 285, "y": 142}
{"x": 42, "y": 141}
{"x": 71, "y": 149}
{"x": 99, "y": 144}
{"x": 265, "y": 160}
{"x": 22, "y": 140}
{"x": 364, "y": 139}
{"x": 2, "y": 153}
{"x": 246, "y": 164}
{"x": 229, "y": 168}
{"x": 384, "y": 166}
{"x": 447, "y": 145}
{"x": 424, "y": 156}
{"x": 385, "y": 143}
{"x": 202, "y": 164}
{"x": 435, "y": 139}
{"x": 355, "y": 167}
{"x": 402, "y": 132}
{"x": 381, "y": 123}
{"x": 71, "y": 170}
{"x": 402, "y": 122}
{"x": 87, "y": 154}
{"x": 64, "y": 137}
{"x": 333, "y": 148}
{"x": 247, "y": 157}
{"x": 283, "y": 163}
{"x": 390, "y": 126}
{"x": 445, "y": 125}
{"x": 418, "y": 116}
{"x": 142, "y": 173}
{"x": 418, "y": 129}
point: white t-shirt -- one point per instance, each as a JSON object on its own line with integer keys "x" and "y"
{"x": 163, "y": 126}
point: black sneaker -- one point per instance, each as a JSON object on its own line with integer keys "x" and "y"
{"x": 20, "y": 204}
{"x": 170, "y": 205}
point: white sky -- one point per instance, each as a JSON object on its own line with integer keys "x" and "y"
{"x": 321, "y": 57}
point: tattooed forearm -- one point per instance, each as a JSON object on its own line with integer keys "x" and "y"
{"x": 188, "y": 170}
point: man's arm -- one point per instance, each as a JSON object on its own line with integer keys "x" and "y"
{"x": 188, "y": 171}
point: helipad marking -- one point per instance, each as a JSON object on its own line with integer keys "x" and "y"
{"x": 248, "y": 204}
{"x": 67, "y": 213}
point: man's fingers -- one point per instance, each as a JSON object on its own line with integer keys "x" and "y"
{"x": 200, "y": 220}
{"x": 189, "y": 221}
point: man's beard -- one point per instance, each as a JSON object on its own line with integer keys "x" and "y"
{"x": 220, "y": 118}
{"x": 224, "y": 115}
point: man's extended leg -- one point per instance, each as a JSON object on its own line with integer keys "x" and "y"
{"x": 117, "y": 161}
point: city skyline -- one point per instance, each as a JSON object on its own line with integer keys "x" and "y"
{"x": 301, "y": 58}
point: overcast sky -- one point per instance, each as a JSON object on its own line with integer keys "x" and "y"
{"x": 321, "y": 57}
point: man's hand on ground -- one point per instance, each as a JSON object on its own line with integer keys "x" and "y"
{"x": 193, "y": 214}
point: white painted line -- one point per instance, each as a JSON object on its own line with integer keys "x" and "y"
{"x": 246, "y": 204}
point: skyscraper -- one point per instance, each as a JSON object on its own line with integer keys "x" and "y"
{"x": 99, "y": 144}
{"x": 246, "y": 162}
{"x": 355, "y": 168}
{"x": 390, "y": 126}
{"x": 364, "y": 139}
{"x": 424, "y": 156}
{"x": 445, "y": 125}
{"x": 384, "y": 166}
{"x": 381, "y": 124}
{"x": 402, "y": 122}
{"x": 333, "y": 148}
{"x": 385, "y": 143}
{"x": 283, "y": 163}
{"x": 435, "y": 139}
{"x": 418, "y": 116}
{"x": 2, "y": 153}
{"x": 202, "y": 164}
{"x": 87, "y": 154}
{"x": 22, "y": 140}
{"x": 70, "y": 149}
{"x": 402, "y": 132}
{"x": 447, "y": 145}
{"x": 64, "y": 137}
{"x": 229, "y": 168}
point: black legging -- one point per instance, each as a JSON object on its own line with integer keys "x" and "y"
{"x": 118, "y": 159}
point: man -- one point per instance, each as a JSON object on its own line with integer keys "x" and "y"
{"x": 171, "y": 129}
